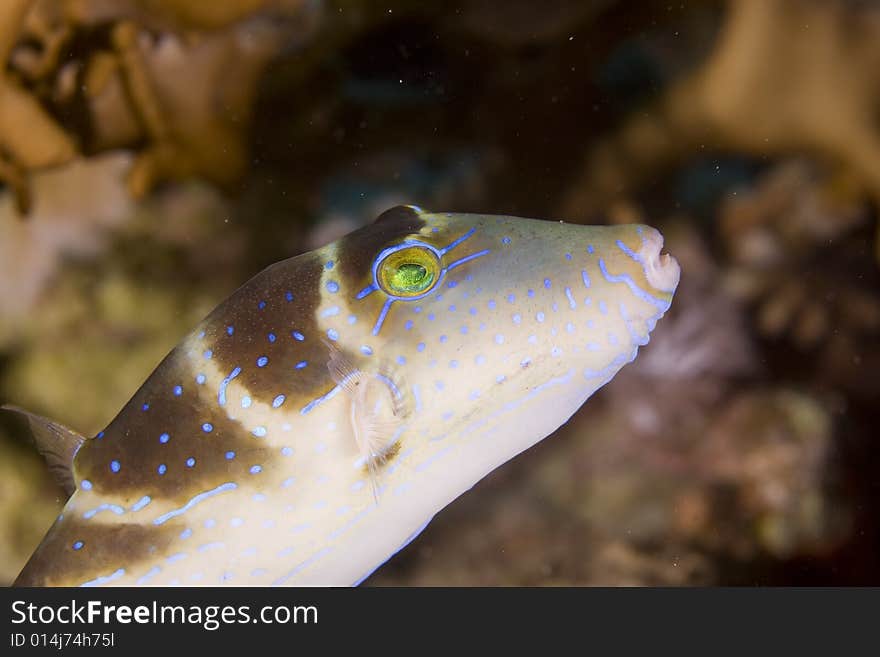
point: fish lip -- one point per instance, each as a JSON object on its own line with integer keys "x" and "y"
{"x": 662, "y": 270}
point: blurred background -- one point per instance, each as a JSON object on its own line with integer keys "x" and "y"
{"x": 154, "y": 154}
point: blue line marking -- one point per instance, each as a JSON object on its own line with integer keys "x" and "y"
{"x": 571, "y": 302}
{"x": 367, "y": 290}
{"x": 455, "y": 243}
{"x": 308, "y": 562}
{"x": 391, "y": 385}
{"x": 467, "y": 258}
{"x": 201, "y": 497}
{"x": 103, "y": 580}
{"x": 635, "y": 289}
{"x": 141, "y": 503}
{"x": 210, "y": 546}
{"x": 628, "y": 251}
{"x": 221, "y": 392}
{"x": 640, "y": 340}
{"x": 115, "y": 508}
{"x": 418, "y": 397}
{"x": 382, "y": 314}
{"x": 320, "y": 400}
{"x": 152, "y": 572}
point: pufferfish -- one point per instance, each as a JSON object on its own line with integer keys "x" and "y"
{"x": 317, "y": 419}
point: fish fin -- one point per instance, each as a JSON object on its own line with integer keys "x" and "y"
{"x": 377, "y": 411}
{"x": 55, "y": 442}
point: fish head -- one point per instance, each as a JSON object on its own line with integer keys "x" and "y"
{"x": 487, "y": 332}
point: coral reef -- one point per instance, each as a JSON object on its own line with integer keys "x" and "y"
{"x": 173, "y": 149}
{"x": 174, "y": 80}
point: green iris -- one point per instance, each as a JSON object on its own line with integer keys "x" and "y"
{"x": 410, "y": 277}
{"x": 409, "y": 272}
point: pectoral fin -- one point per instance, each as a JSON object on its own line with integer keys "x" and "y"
{"x": 56, "y": 443}
{"x": 378, "y": 410}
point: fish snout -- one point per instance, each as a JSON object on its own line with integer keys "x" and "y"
{"x": 661, "y": 269}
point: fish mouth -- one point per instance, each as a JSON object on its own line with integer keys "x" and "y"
{"x": 661, "y": 269}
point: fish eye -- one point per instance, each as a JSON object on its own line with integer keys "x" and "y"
{"x": 408, "y": 272}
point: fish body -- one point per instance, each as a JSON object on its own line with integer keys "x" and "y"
{"x": 319, "y": 417}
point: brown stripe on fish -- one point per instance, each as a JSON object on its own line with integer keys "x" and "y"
{"x": 356, "y": 251}
{"x": 183, "y": 432}
{"x": 89, "y": 548}
{"x": 267, "y": 331}
{"x": 175, "y": 448}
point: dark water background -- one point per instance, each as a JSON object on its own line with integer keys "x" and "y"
{"x": 154, "y": 155}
